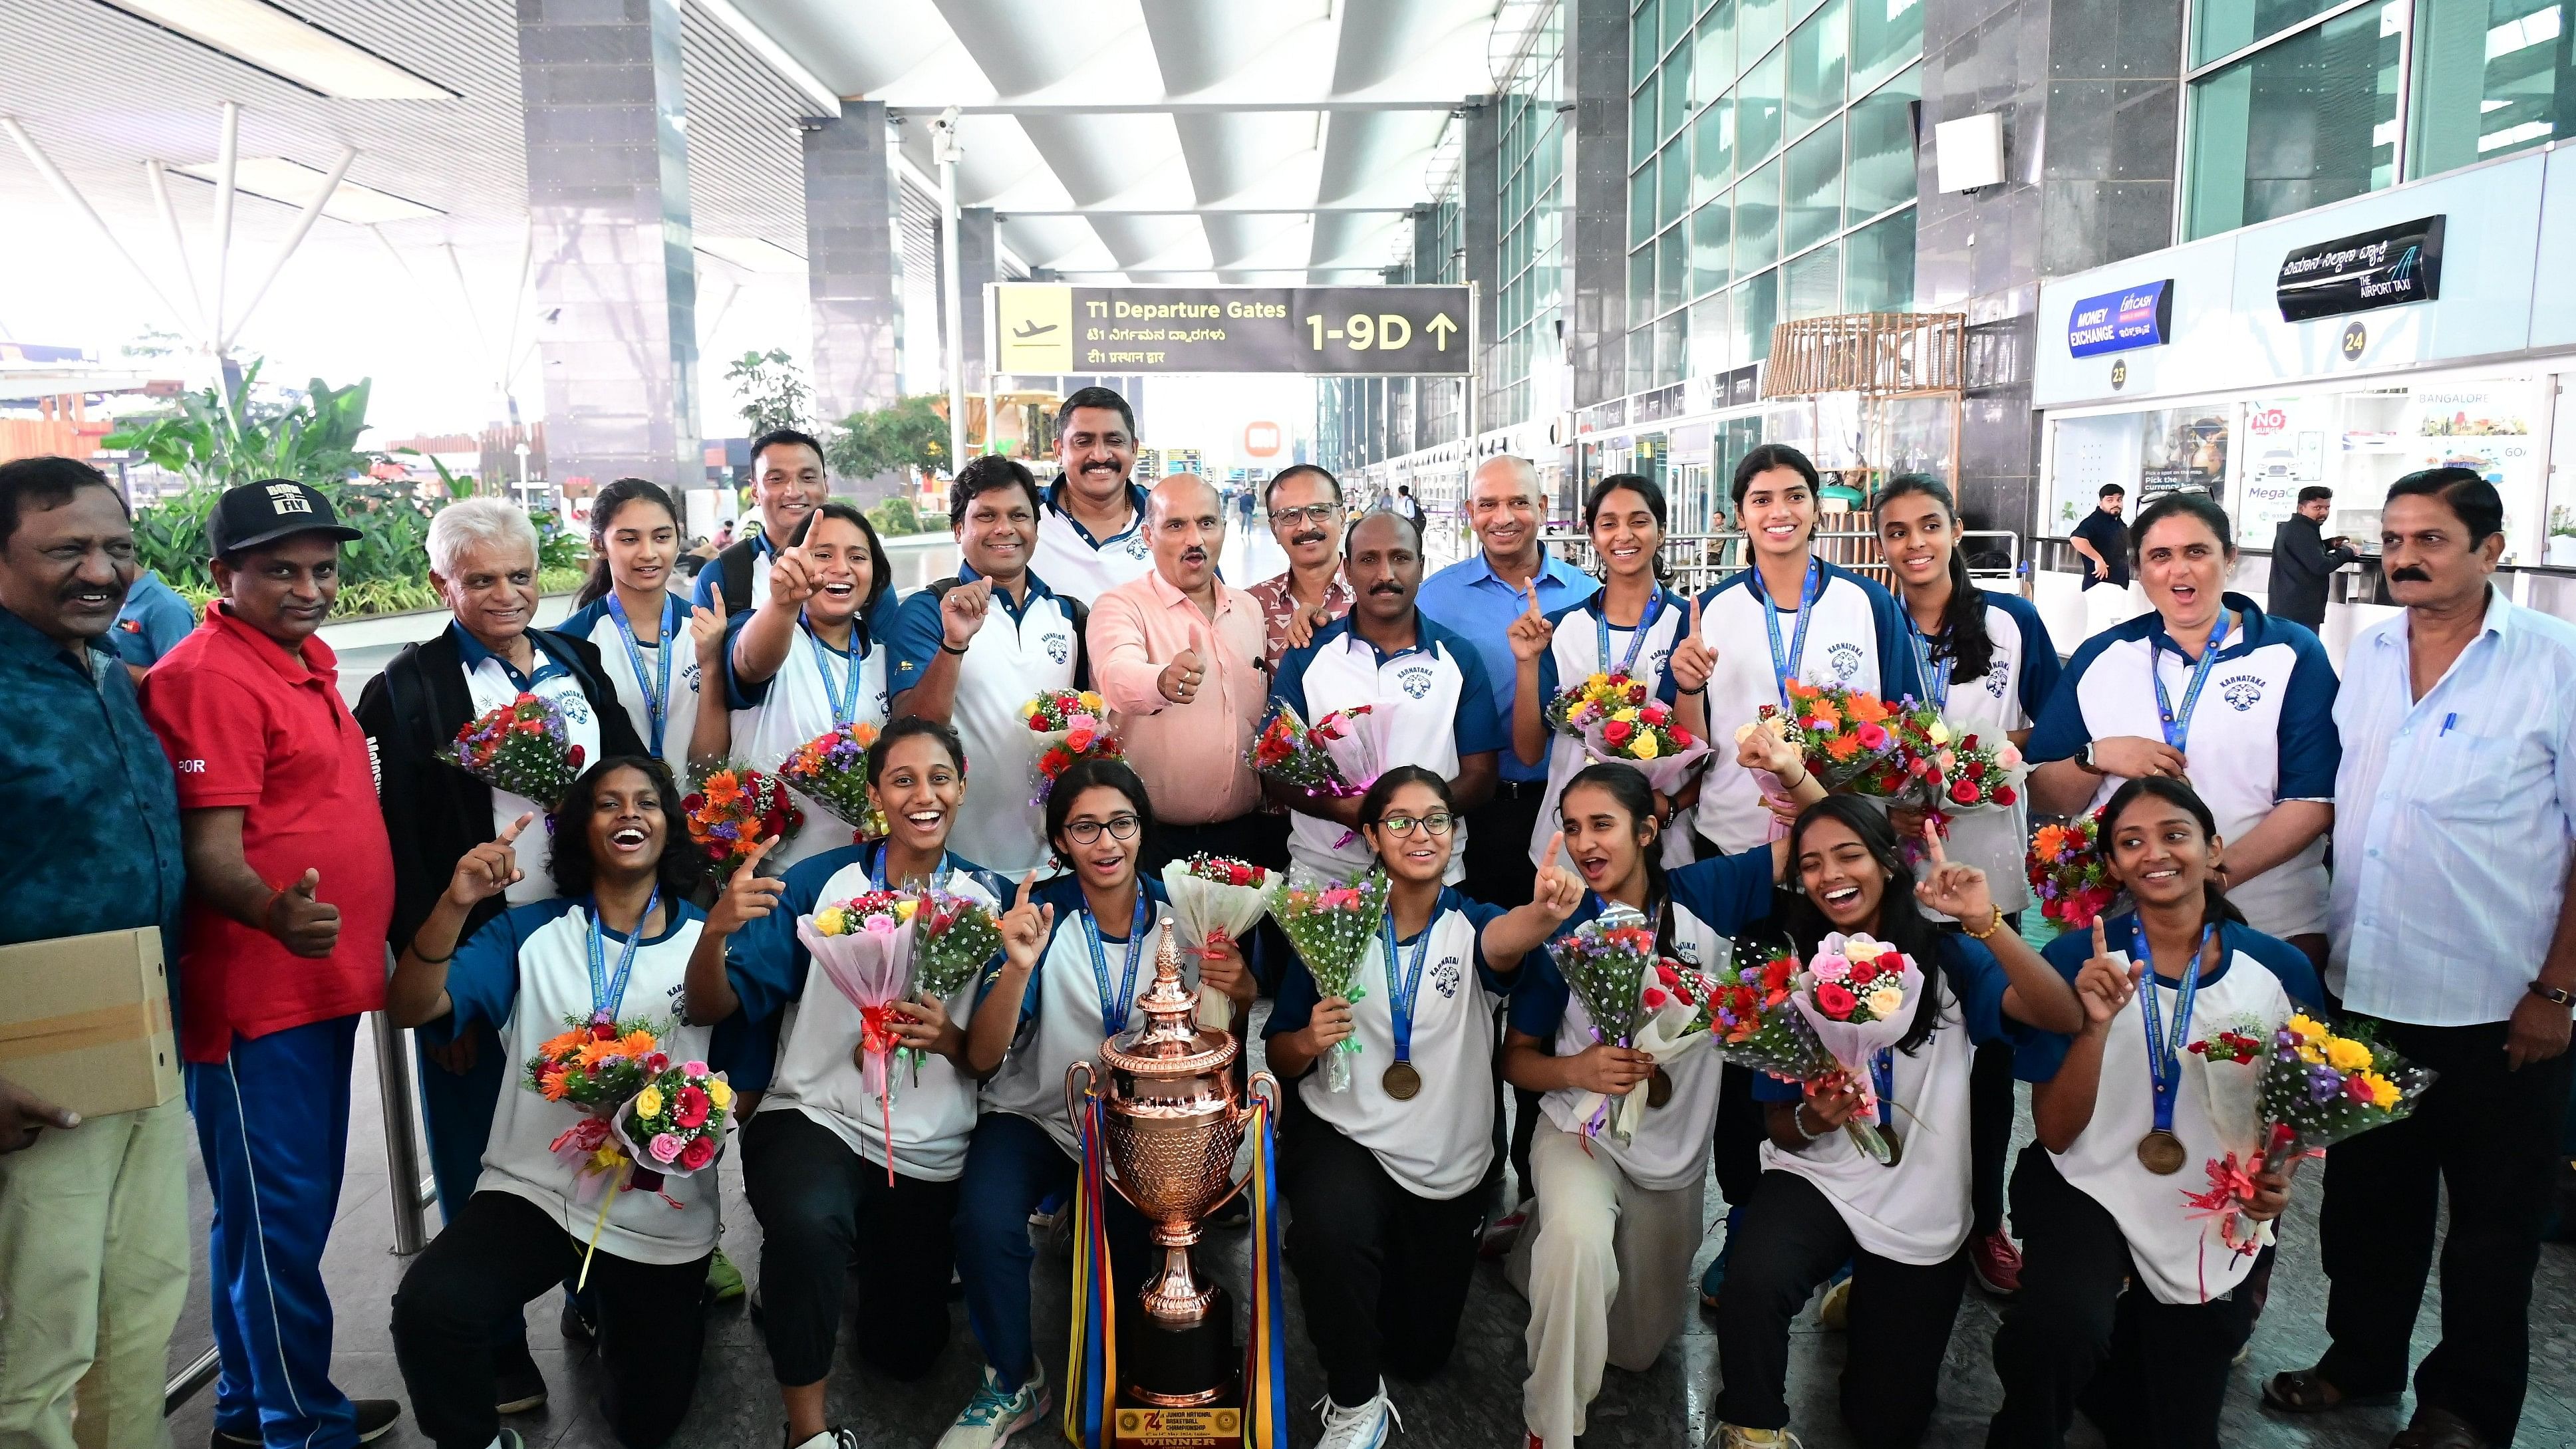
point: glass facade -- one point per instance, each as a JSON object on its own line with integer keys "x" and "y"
{"x": 1780, "y": 183}
{"x": 2297, "y": 103}
{"x": 1530, "y": 174}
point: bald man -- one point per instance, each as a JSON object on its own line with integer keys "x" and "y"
{"x": 1178, "y": 654}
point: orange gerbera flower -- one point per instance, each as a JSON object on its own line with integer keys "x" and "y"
{"x": 1823, "y": 710}
{"x": 1866, "y": 709}
{"x": 637, "y": 1043}
{"x": 552, "y": 1087}
{"x": 557, "y": 1046}
{"x": 724, "y": 787}
{"x": 594, "y": 1052}
{"x": 1842, "y": 747}
{"x": 2049, "y": 838}
{"x": 1801, "y": 690}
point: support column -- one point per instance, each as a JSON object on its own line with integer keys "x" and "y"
{"x": 853, "y": 261}
{"x": 1596, "y": 217}
{"x": 615, "y": 266}
{"x": 1480, "y": 229}
{"x": 978, "y": 262}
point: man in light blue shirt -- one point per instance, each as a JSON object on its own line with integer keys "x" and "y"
{"x": 155, "y": 618}
{"x": 2455, "y": 814}
{"x": 1478, "y": 597}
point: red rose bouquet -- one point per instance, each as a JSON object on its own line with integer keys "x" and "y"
{"x": 2070, "y": 873}
{"x": 832, "y": 771}
{"x": 675, "y": 1125}
{"x": 953, "y": 940}
{"x": 1291, "y": 751}
{"x": 734, "y": 808}
{"x": 1217, "y": 898}
{"x": 1618, "y": 720}
{"x": 1331, "y": 925}
{"x": 1768, "y": 1017}
{"x": 1608, "y": 964}
{"x": 1069, "y": 726}
{"x": 521, "y": 748}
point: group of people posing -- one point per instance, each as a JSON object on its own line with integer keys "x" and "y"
{"x": 2211, "y": 739}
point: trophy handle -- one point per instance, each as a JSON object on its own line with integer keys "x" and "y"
{"x": 1073, "y": 1098}
{"x": 1266, "y": 1087}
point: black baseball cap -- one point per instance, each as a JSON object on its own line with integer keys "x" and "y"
{"x": 268, "y": 510}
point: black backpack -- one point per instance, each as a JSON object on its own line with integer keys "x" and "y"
{"x": 1076, "y": 616}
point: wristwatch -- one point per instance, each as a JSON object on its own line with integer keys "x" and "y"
{"x": 2547, "y": 992}
{"x": 2086, "y": 759}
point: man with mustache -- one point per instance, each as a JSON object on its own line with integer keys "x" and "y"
{"x": 788, "y": 481}
{"x": 93, "y": 1212}
{"x": 1092, "y": 534}
{"x": 1424, "y": 679}
{"x": 1305, "y": 504}
{"x": 2451, "y": 936}
{"x": 292, "y": 877}
{"x": 1479, "y": 597}
{"x": 1178, "y": 655}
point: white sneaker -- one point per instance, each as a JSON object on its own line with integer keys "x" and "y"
{"x": 995, "y": 1413}
{"x": 1360, "y": 1428}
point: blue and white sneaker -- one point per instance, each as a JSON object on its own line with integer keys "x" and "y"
{"x": 1364, "y": 1427}
{"x": 996, "y": 1413}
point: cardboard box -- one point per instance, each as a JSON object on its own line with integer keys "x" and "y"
{"x": 85, "y": 1021}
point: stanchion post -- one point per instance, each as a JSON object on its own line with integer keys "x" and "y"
{"x": 402, "y": 1152}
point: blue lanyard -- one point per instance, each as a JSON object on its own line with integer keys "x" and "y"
{"x": 2164, "y": 1049}
{"x": 1113, "y": 1010}
{"x": 1400, "y": 994}
{"x": 607, "y": 992}
{"x": 845, "y": 703}
{"x": 1882, "y": 1079}
{"x": 1784, "y": 662}
{"x": 1636, "y": 641}
{"x": 657, "y": 689}
{"x": 1936, "y": 683}
{"x": 2177, "y": 722}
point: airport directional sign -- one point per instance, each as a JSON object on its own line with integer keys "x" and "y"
{"x": 1043, "y": 328}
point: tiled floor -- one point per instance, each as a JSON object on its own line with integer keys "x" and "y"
{"x": 1475, "y": 1402}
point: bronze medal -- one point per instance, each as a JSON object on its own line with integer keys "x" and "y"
{"x": 2161, "y": 1153}
{"x": 1659, "y": 1089}
{"x": 1402, "y": 1082}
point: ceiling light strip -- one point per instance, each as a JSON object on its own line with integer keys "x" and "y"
{"x": 285, "y": 46}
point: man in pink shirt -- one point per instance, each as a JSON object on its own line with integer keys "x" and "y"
{"x": 1178, "y": 655}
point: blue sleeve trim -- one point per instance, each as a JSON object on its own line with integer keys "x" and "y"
{"x": 1288, "y": 686}
{"x": 2287, "y": 963}
{"x": 764, "y": 960}
{"x": 1977, "y": 979}
{"x": 2061, "y": 732}
{"x": 2309, "y": 749}
{"x": 2039, "y": 663}
{"x": 1539, "y": 995}
{"x": 912, "y": 638}
{"x": 739, "y": 695}
{"x": 1479, "y": 915}
{"x": 1729, "y": 892}
{"x": 1768, "y": 1088}
{"x": 483, "y": 980}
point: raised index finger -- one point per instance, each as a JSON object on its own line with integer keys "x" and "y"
{"x": 1555, "y": 848}
{"x": 1026, "y": 882}
{"x": 2101, "y": 940}
{"x": 751, "y": 857}
{"x": 511, "y": 834}
{"x": 1932, "y": 840}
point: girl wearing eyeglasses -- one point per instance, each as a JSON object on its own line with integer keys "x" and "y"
{"x": 1381, "y": 1178}
{"x": 1077, "y": 953}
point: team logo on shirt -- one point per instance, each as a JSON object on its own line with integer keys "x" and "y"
{"x": 1445, "y": 978}
{"x": 1995, "y": 672}
{"x": 2243, "y": 691}
{"x": 1137, "y": 547}
{"x": 1416, "y": 680}
{"x": 1846, "y": 661}
{"x": 575, "y": 707}
{"x": 1058, "y": 647}
{"x": 1656, "y": 661}
{"x": 689, "y": 672}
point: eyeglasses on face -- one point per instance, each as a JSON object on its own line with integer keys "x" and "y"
{"x": 1121, "y": 826}
{"x": 1311, "y": 513}
{"x": 1437, "y": 822}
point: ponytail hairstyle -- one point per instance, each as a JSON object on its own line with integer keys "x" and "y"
{"x": 603, "y": 512}
{"x": 2217, "y": 909}
{"x": 1646, "y": 489}
{"x": 1964, "y": 640}
{"x": 1901, "y": 923}
{"x": 1627, "y": 787}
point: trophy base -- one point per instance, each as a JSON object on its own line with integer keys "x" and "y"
{"x": 1183, "y": 1387}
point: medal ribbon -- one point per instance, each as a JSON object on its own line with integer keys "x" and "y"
{"x": 1882, "y": 1080}
{"x": 657, "y": 687}
{"x": 1636, "y": 640}
{"x": 2164, "y": 1049}
{"x": 1784, "y": 661}
{"x": 608, "y": 992}
{"x": 1936, "y": 682}
{"x": 1113, "y": 1010}
{"x": 2177, "y": 722}
{"x": 845, "y": 703}
{"x": 1400, "y": 994}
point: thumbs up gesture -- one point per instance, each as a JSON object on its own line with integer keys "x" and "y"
{"x": 307, "y": 926}
{"x": 1181, "y": 678}
{"x": 1692, "y": 660}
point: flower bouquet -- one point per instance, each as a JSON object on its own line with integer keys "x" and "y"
{"x": 1356, "y": 739}
{"x": 1331, "y": 925}
{"x": 521, "y": 748}
{"x": 1619, "y": 721}
{"x": 2070, "y": 873}
{"x": 1820, "y": 1024}
{"x": 1845, "y": 735}
{"x": 832, "y": 771}
{"x": 1289, "y": 750}
{"x": 1607, "y": 963}
{"x": 1068, "y": 724}
{"x": 1217, "y": 898}
{"x": 953, "y": 939}
{"x": 595, "y": 1065}
{"x": 675, "y": 1125}
{"x": 862, "y": 945}
{"x": 2233, "y": 1060}
{"x": 734, "y": 808}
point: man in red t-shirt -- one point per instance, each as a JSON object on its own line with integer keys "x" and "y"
{"x": 291, "y": 891}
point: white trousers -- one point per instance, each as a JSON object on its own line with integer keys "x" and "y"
{"x": 1605, "y": 1265}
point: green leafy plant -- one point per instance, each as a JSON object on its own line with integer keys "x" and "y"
{"x": 773, "y": 391}
{"x": 909, "y": 435}
{"x": 895, "y": 517}
{"x": 224, "y": 440}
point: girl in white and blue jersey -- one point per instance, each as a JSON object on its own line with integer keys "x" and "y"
{"x": 824, "y": 1174}
{"x": 1381, "y": 1177}
{"x": 2211, "y": 688}
{"x": 1078, "y": 955}
{"x": 658, "y": 651}
{"x": 1630, "y": 627}
{"x": 613, "y": 947}
{"x": 806, "y": 661}
{"x": 1824, "y": 625}
{"x": 2129, "y": 1307}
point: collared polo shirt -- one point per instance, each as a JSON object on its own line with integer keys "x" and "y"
{"x": 633, "y": 652}
{"x": 1434, "y": 698}
{"x": 253, "y": 728}
{"x": 1022, "y": 649}
{"x": 1278, "y": 602}
{"x": 1477, "y": 604}
{"x": 2261, "y": 732}
{"x": 2454, "y": 816}
{"x": 1190, "y": 755}
{"x": 155, "y": 618}
{"x": 1084, "y": 567}
{"x": 91, "y": 791}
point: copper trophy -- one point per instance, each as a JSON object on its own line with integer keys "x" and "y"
{"x": 1174, "y": 1126}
